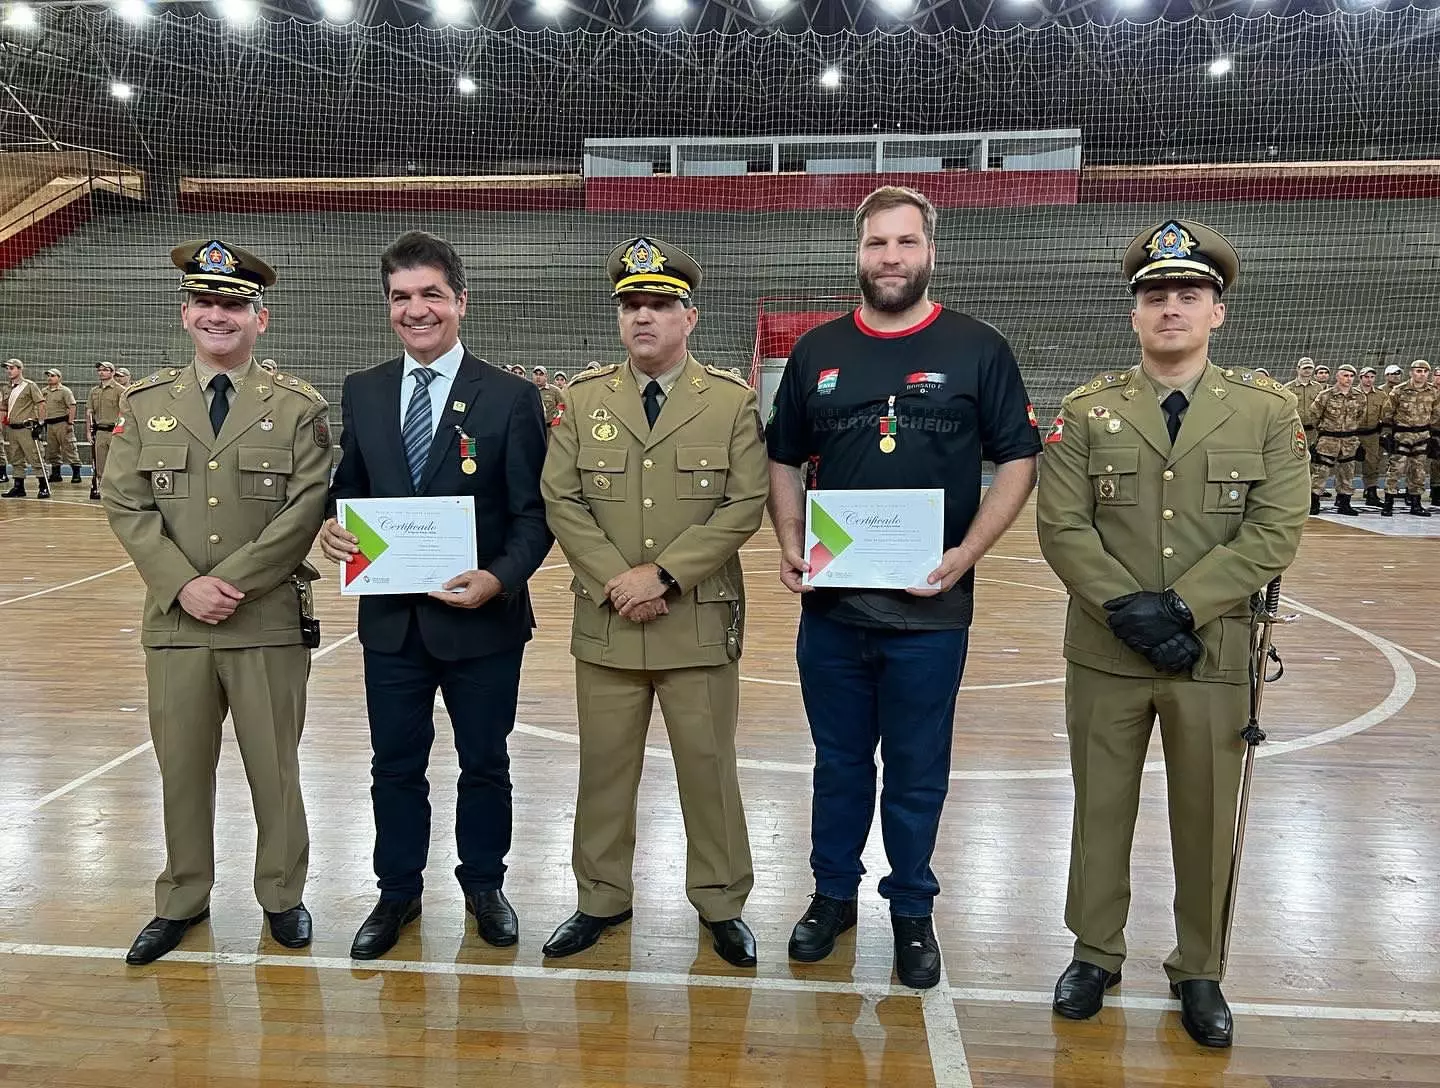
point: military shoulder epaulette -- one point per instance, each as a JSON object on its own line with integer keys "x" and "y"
{"x": 296, "y": 385}
{"x": 715, "y": 371}
{"x": 1238, "y": 376}
{"x": 598, "y": 372}
{"x": 1112, "y": 380}
{"x": 160, "y": 377}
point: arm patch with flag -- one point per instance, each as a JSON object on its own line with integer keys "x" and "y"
{"x": 1057, "y": 430}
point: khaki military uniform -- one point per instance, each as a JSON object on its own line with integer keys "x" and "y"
{"x": 243, "y": 506}
{"x": 1305, "y": 394}
{"x": 685, "y": 495}
{"x": 1373, "y": 465}
{"x": 1407, "y": 425}
{"x": 550, "y": 399}
{"x": 103, "y": 412}
{"x": 60, "y": 426}
{"x": 23, "y": 414}
{"x": 1339, "y": 418}
{"x": 1215, "y": 517}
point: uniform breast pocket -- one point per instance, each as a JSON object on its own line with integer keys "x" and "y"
{"x": 165, "y": 465}
{"x": 265, "y": 472}
{"x": 602, "y": 473}
{"x": 1230, "y": 475}
{"x": 1114, "y": 475}
{"x": 701, "y": 472}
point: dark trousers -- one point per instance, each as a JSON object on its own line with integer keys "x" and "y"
{"x": 480, "y": 695}
{"x": 862, "y": 687}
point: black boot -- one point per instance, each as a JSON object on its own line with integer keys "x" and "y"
{"x": 44, "y": 492}
{"x": 1314, "y": 504}
{"x": 1387, "y": 506}
{"x": 1342, "y": 506}
{"x": 1435, "y": 494}
{"x": 18, "y": 491}
{"x": 74, "y": 474}
{"x": 94, "y": 490}
{"x": 1371, "y": 498}
{"x": 4, "y": 474}
{"x": 1416, "y": 509}
{"x": 54, "y": 474}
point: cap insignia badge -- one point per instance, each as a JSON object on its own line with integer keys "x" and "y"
{"x": 644, "y": 256}
{"x": 213, "y": 257}
{"x": 1171, "y": 240}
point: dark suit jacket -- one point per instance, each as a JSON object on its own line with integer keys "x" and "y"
{"x": 502, "y": 414}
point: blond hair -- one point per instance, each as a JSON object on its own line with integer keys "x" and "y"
{"x": 887, "y": 197}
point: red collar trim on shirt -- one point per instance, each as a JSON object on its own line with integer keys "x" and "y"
{"x": 921, "y": 324}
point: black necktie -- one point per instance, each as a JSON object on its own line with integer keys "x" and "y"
{"x": 220, "y": 406}
{"x": 652, "y": 402}
{"x": 1174, "y": 405}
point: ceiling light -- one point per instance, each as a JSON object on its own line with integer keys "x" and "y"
{"x": 466, "y": 85}
{"x": 122, "y": 91}
{"x": 550, "y": 8}
{"x": 451, "y": 11}
{"x": 132, "y": 11}
{"x": 1220, "y": 67}
{"x": 240, "y": 12}
{"x": 898, "y": 7}
{"x": 830, "y": 78}
{"x": 671, "y": 9}
{"x": 774, "y": 6}
{"x": 21, "y": 17}
{"x": 338, "y": 11}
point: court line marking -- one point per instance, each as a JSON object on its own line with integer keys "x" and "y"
{"x": 90, "y": 776}
{"x": 948, "y": 1063}
{"x": 67, "y": 585}
{"x": 872, "y": 988}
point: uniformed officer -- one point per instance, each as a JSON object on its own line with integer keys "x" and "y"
{"x": 60, "y": 427}
{"x": 1405, "y": 436}
{"x": 549, "y": 395}
{"x": 102, "y": 413}
{"x": 1305, "y": 389}
{"x": 1339, "y": 412}
{"x": 655, "y": 477}
{"x": 1394, "y": 378}
{"x": 1170, "y": 493}
{"x": 23, "y": 415}
{"x": 216, "y": 487}
{"x": 1372, "y": 461}
{"x": 1322, "y": 377}
{"x": 122, "y": 376}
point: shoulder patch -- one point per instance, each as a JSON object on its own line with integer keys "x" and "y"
{"x": 589, "y": 374}
{"x": 297, "y": 385}
{"x": 717, "y": 372}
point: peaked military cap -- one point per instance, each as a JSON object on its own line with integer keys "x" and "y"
{"x": 648, "y": 264}
{"x": 1420, "y": 364}
{"x": 1369, "y": 370}
{"x": 1181, "y": 249}
{"x": 52, "y": 370}
{"x": 1347, "y": 366}
{"x": 212, "y": 266}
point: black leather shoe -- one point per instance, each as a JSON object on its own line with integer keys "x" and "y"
{"x": 813, "y": 937}
{"x": 734, "y": 943}
{"x": 494, "y": 917}
{"x": 1204, "y": 1012}
{"x": 292, "y": 928}
{"x": 161, "y": 936}
{"x": 1081, "y": 989}
{"x": 579, "y": 932}
{"x": 378, "y": 933}
{"x": 917, "y": 954}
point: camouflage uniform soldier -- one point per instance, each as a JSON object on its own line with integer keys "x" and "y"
{"x": 1339, "y": 412}
{"x": 1405, "y": 435}
{"x": 1371, "y": 460}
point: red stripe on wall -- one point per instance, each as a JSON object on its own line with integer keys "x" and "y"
{"x": 44, "y": 232}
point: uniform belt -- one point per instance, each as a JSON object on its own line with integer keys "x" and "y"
{"x": 1368, "y": 431}
{"x": 1422, "y": 429}
{"x": 21, "y": 426}
{"x": 104, "y": 426}
{"x": 1340, "y": 434}
{"x": 58, "y": 419}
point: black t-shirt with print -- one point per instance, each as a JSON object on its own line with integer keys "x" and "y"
{"x": 959, "y": 400}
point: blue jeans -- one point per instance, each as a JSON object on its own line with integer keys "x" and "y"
{"x": 862, "y": 687}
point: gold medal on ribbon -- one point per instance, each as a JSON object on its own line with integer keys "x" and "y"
{"x": 887, "y": 444}
{"x": 467, "y": 466}
{"x": 889, "y": 425}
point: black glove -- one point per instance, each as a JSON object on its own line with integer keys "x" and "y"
{"x": 1145, "y": 619}
{"x": 1176, "y": 654}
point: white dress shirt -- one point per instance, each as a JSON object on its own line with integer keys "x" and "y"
{"x": 445, "y": 368}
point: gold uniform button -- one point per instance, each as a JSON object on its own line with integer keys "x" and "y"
{"x": 649, "y": 543}
{"x": 704, "y": 483}
{"x": 213, "y": 501}
{"x": 269, "y": 482}
{"x": 648, "y": 463}
{"x": 264, "y": 464}
{"x": 213, "y": 465}
{"x": 648, "y": 503}
{"x": 1167, "y": 514}
{"x": 159, "y": 464}
{"x": 1109, "y": 468}
{"x": 214, "y": 538}
{"x": 704, "y": 463}
{"x": 1167, "y": 475}
{"x": 599, "y": 464}
{"x": 1168, "y": 553}
{"x": 1234, "y": 475}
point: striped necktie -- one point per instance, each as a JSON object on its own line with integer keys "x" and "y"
{"x": 419, "y": 430}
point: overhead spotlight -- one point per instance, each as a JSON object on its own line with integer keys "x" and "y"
{"x": 551, "y": 9}
{"x": 774, "y": 6}
{"x": 451, "y": 11}
{"x": 898, "y": 7}
{"x": 1220, "y": 67}
{"x": 132, "y": 11}
{"x": 338, "y": 11}
{"x": 466, "y": 85}
{"x": 240, "y": 12}
{"x": 122, "y": 91}
{"x": 671, "y": 9}
{"x": 21, "y": 17}
{"x": 830, "y": 78}
{"x": 1129, "y": 5}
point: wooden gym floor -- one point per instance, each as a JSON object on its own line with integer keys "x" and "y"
{"x": 1335, "y": 978}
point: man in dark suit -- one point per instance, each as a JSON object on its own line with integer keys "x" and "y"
{"x": 439, "y": 421}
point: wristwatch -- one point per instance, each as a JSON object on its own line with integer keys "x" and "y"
{"x": 666, "y": 578}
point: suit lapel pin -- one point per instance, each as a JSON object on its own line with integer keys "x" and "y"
{"x": 458, "y": 406}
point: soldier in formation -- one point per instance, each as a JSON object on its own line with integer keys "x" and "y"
{"x": 1339, "y": 417}
{"x": 1405, "y": 435}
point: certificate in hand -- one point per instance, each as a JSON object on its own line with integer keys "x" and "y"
{"x": 873, "y": 539}
{"x": 407, "y": 545}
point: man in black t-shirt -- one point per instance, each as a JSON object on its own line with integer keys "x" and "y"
{"x": 900, "y": 394}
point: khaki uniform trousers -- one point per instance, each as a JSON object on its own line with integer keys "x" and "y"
{"x": 1109, "y": 719}
{"x": 263, "y": 688}
{"x": 4, "y": 447}
{"x": 701, "y": 707}
{"x": 60, "y": 444}
{"x": 100, "y": 452}
{"x": 23, "y": 451}
{"x": 1372, "y": 468}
